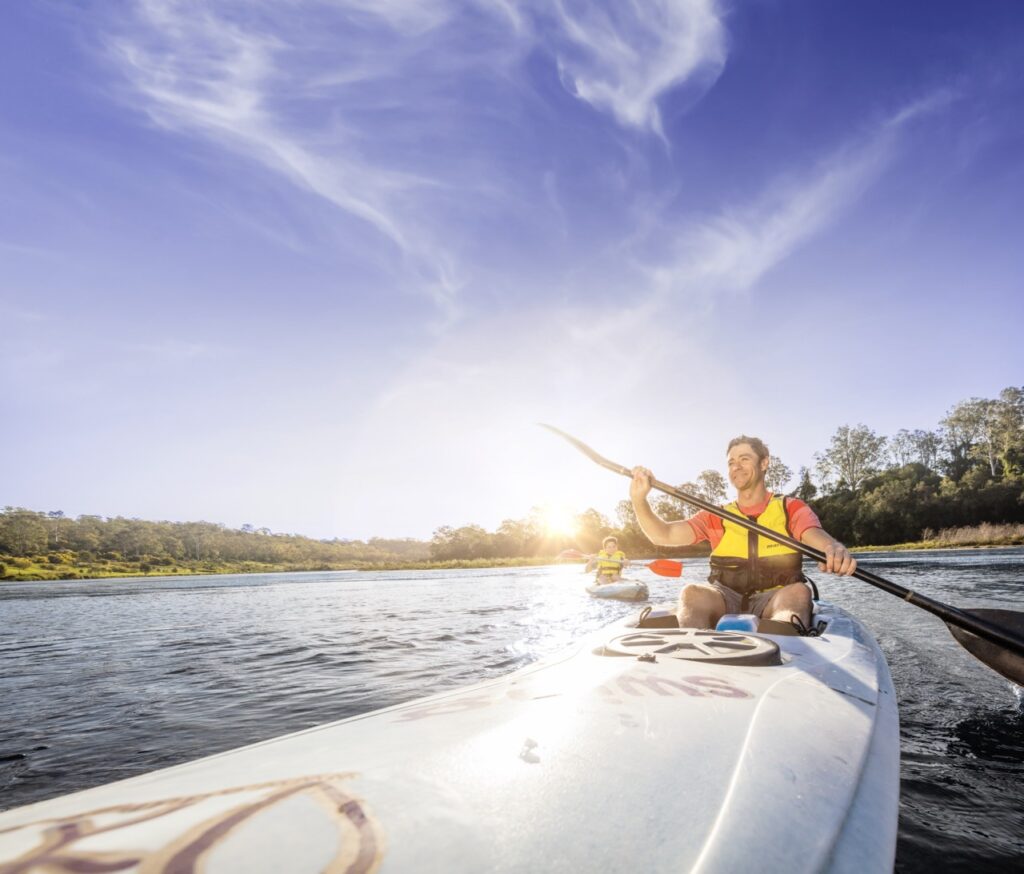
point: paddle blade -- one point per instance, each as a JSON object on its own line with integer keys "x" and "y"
{"x": 571, "y": 555}
{"x": 665, "y": 567}
{"x": 587, "y": 451}
{"x": 997, "y": 657}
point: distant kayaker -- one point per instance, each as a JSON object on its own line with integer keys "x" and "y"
{"x": 609, "y": 561}
{"x": 749, "y": 572}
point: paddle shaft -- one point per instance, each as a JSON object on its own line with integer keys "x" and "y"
{"x": 945, "y": 612}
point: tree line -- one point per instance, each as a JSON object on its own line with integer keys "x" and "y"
{"x": 868, "y": 489}
{"x": 152, "y": 546}
{"x": 882, "y": 490}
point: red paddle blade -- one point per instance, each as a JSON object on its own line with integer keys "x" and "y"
{"x": 665, "y": 567}
{"x": 569, "y": 554}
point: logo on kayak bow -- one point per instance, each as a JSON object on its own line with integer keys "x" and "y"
{"x": 696, "y": 645}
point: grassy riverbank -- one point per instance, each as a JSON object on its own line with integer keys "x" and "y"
{"x": 973, "y": 537}
{"x": 40, "y": 568}
{"x": 69, "y": 566}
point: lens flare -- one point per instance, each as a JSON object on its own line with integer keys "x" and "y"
{"x": 558, "y": 521}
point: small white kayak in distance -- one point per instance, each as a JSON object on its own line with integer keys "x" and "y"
{"x": 639, "y": 749}
{"x": 623, "y": 590}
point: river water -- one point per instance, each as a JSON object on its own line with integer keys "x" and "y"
{"x": 102, "y": 680}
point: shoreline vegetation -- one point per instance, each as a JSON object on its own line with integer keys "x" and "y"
{"x": 73, "y": 567}
{"x": 959, "y": 486}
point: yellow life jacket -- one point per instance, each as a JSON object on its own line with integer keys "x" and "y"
{"x": 748, "y": 562}
{"x": 610, "y": 563}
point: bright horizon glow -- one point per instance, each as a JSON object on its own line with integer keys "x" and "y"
{"x": 321, "y": 267}
{"x": 559, "y": 520}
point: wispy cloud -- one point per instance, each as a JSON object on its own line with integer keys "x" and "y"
{"x": 201, "y": 72}
{"x": 623, "y": 57}
{"x": 380, "y": 107}
{"x": 734, "y": 249}
{"x": 194, "y": 68}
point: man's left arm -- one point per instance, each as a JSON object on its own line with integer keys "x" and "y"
{"x": 837, "y": 557}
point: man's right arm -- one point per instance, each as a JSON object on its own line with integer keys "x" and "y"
{"x": 658, "y": 531}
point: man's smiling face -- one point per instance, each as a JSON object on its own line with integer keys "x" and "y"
{"x": 745, "y": 468}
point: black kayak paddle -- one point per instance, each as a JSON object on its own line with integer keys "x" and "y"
{"x": 995, "y": 637}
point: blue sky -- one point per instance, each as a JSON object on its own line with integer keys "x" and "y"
{"x": 321, "y": 266}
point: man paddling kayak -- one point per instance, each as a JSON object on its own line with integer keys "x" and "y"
{"x": 608, "y": 561}
{"x": 749, "y": 573}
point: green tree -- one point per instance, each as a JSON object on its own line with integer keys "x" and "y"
{"x": 671, "y": 509}
{"x": 902, "y": 449}
{"x": 711, "y": 486}
{"x": 22, "y": 532}
{"x": 806, "y": 490}
{"x": 917, "y": 446}
{"x": 1009, "y": 431}
{"x": 961, "y": 431}
{"x": 58, "y": 526}
{"x": 467, "y": 542}
{"x": 853, "y": 455}
{"x": 927, "y": 447}
{"x": 518, "y": 537}
{"x": 591, "y": 529}
{"x": 87, "y": 535}
{"x": 631, "y": 536}
{"x": 897, "y": 505}
{"x": 986, "y": 450}
{"x": 837, "y": 512}
{"x": 626, "y": 516}
{"x": 777, "y": 476}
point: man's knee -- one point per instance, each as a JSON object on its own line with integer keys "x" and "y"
{"x": 794, "y": 598}
{"x": 797, "y": 593}
{"x": 699, "y": 596}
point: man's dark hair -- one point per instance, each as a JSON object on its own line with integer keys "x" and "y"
{"x": 755, "y": 443}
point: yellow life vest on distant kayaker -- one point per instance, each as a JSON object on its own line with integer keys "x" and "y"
{"x": 749, "y": 562}
{"x": 609, "y": 563}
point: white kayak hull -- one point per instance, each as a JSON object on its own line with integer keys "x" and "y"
{"x": 624, "y": 590}
{"x": 587, "y": 761}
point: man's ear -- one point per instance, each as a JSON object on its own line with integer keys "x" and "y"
{"x": 764, "y": 463}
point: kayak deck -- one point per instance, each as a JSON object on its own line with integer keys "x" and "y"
{"x": 666, "y": 758}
